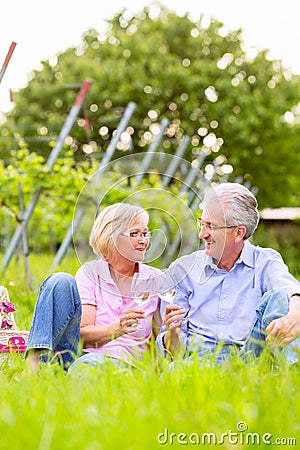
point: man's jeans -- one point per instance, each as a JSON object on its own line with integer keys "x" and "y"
{"x": 274, "y": 304}
{"x": 56, "y": 321}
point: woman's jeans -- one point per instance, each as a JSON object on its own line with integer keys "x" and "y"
{"x": 55, "y": 326}
{"x": 56, "y": 321}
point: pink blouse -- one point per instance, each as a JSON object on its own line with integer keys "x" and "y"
{"x": 96, "y": 287}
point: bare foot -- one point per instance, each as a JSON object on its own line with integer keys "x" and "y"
{"x": 32, "y": 360}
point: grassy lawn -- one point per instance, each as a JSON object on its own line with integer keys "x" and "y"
{"x": 233, "y": 407}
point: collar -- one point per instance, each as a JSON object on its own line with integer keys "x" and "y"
{"x": 247, "y": 257}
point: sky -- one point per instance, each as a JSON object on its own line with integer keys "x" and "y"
{"x": 42, "y": 29}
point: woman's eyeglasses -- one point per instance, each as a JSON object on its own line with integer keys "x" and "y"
{"x": 137, "y": 234}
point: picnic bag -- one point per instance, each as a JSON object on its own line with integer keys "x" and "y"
{"x": 11, "y": 339}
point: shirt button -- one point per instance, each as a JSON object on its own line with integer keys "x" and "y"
{"x": 224, "y": 296}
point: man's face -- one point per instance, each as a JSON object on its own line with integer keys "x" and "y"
{"x": 219, "y": 242}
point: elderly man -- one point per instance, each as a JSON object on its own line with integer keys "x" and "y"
{"x": 231, "y": 296}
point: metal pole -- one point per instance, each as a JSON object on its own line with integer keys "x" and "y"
{"x": 51, "y": 161}
{"x": 170, "y": 171}
{"x": 193, "y": 173}
{"x": 69, "y": 122}
{"x": 186, "y": 185}
{"x": 24, "y": 233}
{"x": 149, "y": 154}
{"x": 7, "y": 59}
{"x": 175, "y": 161}
{"x": 106, "y": 158}
{"x": 193, "y": 205}
{"x": 115, "y": 139}
{"x": 67, "y": 239}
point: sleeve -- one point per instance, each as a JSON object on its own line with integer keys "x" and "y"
{"x": 86, "y": 285}
{"x": 278, "y": 277}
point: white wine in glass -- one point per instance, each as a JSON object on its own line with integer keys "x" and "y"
{"x": 140, "y": 290}
{"x": 168, "y": 296}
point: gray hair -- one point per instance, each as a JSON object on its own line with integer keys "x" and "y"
{"x": 240, "y": 205}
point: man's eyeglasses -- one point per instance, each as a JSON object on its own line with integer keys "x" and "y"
{"x": 137, "y": 234}
{"x": 210, "y": 227}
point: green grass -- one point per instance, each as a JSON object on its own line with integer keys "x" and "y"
{"x": 124, "y": 409}
{"x": 118, "y": 408}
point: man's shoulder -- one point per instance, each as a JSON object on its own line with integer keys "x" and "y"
{"x": 189, "y": 261}
{"x": 260, "y": 257}
{"x": 265, "y": 252}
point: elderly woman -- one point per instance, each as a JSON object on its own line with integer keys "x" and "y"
{"x": 97, "y": 305}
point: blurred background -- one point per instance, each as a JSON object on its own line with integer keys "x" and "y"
{"x": 116, "y": 93}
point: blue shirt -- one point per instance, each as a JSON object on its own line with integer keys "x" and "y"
{"x": 220, "y": 305}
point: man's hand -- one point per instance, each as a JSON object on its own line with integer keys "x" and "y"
{"x": 173, "y": 317}
{"x": 284, "y": 330}
{"x": 173, "y": 320}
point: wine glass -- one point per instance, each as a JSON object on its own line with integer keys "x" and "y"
{"x": 167, "y": 289}
{"x": 140, "y": 290}
{"x": 165, "y": 286}
{"x": 168, "y": 296}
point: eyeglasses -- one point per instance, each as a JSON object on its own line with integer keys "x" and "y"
{"x": 210, "y": 227}
{"x": 135, "y": 234}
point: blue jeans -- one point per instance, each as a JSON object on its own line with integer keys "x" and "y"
{"x": 56, "y": 321}
{"x": 274, "y": 304}
{"x": 55, "y": 326}
{"x": 91, "y": 359}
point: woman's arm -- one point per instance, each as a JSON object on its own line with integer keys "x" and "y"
{"x": 98, "y": 335}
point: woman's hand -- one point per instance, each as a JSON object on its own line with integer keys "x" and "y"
{"x": 129, "y": 319}
{"x": 99, "y": 335}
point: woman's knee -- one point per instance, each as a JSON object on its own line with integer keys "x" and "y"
{"x": 60, "y": 279}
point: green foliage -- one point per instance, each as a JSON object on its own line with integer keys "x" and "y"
{"x": 28, "y": 174}
{"x": 196, "y": 75}
{"x": 283, "y": 237}
{"x": 70, "y": 186}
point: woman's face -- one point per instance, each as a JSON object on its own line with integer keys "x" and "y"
{"x": 133, "y": 242}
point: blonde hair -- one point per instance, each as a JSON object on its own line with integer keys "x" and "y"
{"x": 112, "y": 221}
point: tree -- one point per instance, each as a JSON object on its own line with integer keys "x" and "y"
{"x": 194, "y": 73}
